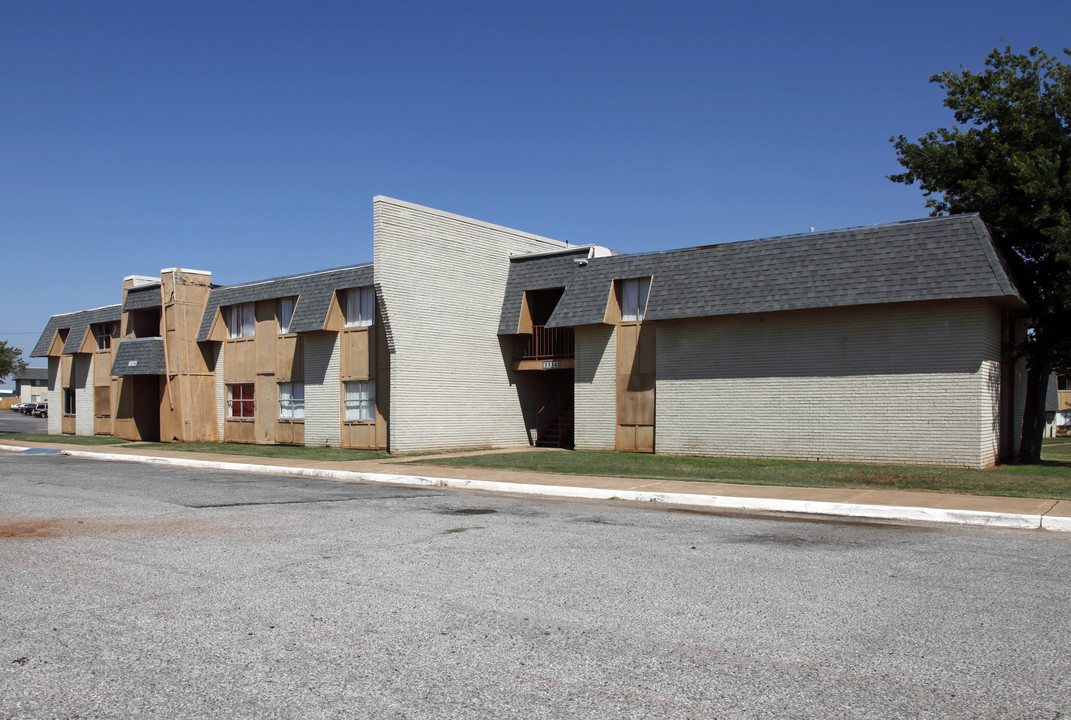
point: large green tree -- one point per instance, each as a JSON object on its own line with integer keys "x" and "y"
{"x": 1008, "y": 157}
{"x": 11, "y": 362}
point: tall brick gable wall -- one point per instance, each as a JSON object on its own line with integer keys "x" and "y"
{"x": 443, "y": 278}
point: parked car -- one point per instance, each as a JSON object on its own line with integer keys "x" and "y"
{"x": 16, "y": 407}
{"x": 27, "y": 408}
{"x": 41, "y": 410}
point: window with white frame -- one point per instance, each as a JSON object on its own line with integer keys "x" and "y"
{"x": 359, "y": 401}
{"x": 240, "y": 401}
{"x": 634, "y": 298}
{"x": 240, "y": 321}
{"x": 359, "y": 307}
{"x": 285, "y": 314}
{"x": 291, "y": 401}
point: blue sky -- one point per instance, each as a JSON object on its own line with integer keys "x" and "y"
{"x": 248, "y": 138}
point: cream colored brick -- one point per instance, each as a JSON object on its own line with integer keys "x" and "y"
{"x": 896, "y": 384}
{"x": 594, "y": 389}
{"x": 443, "y": 277}
{"x": 323, "y": 394}
{"x": 83, "y": 394}
{"x": 221, "y": 390}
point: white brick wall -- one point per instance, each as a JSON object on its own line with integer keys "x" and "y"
{"x": 595, "y": 393}
{"x": 989, "y": 398}
{"x": 55, "y": 398}
{"x": 896, "y": 384}
{"x": 1019, "y": 394}
{"x": 322, "y": 389}
{"x": 443, "y": 278}
{"x": 83, "y": 394}
{"x": 221, "y": 391}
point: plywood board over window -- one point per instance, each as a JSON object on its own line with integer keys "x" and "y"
{"x": 289, "y": 359}
{"x": 358, "y": 353}
{"x": 265, "y": 336}
{"x": 102, "y": 409}
{"x": 290, "y": 433}
{"x": 66, "y": 371}
{"x": 266, "y": 411}
{"x": 239, "y": 361}
{"x": 102, "y": 367}
{"x": 635, "y": 387}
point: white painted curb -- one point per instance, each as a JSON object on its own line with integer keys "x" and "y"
{"x": 1058, "y": 524}
{"x": 1029, "y": 521}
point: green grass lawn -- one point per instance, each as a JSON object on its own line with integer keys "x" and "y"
{"x": 268, "y": 451}
{"x": 62, "y": 439}
{"x": 1052, "y": 479}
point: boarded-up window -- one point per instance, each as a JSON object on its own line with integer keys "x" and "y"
{"x": 102, "y": 401}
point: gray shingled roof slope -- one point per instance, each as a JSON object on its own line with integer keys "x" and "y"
{"x": 1052, "y": 395}
{"x": 41, "y": 373}
{"x": 140, "y": 356}
{"x": 535, "y": 272}
{"x": 77, "y": 323}
{"x": 143, "y": 297}
{"x": 313, "y": 290}
{"x": 931, "y": 259}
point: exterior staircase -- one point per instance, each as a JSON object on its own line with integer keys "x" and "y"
{"x": 559, "y": 432}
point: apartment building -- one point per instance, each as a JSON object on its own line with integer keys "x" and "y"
{"x": 881, "y": 344}
{"x": 31, "y": 385}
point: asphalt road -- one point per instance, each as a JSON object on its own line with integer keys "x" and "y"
{"x": 130, "y": 591}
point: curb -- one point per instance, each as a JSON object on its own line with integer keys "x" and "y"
{"x": 1029, "y": 521}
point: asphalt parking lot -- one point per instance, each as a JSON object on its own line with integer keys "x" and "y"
{"x": 14, "y": 422}
{"x": 135, "y": 591}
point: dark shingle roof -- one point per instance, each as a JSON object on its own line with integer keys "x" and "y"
{"x": 932, "y": 259}
{"x": 313, "y": 290}
{"x": 78, "y": 324}
{"x": 535, "y": 272}
{"x": 143, "y": 297}
{"x": 1052, "y": 394}
{"x": 139, "y": 356}
{"x": 40, "y": 373}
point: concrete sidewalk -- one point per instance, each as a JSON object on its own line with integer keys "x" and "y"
{"x": 901, "y": 505}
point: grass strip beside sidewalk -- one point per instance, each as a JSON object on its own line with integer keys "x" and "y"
{"x": 293, "y": 452}
{"x": 1052, "y": 479}
{"x": 62, "y": 439}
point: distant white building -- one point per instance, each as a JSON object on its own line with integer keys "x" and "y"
{"x": 32, "y": 385}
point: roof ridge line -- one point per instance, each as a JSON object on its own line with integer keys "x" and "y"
{"x": 292, "y": 277}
